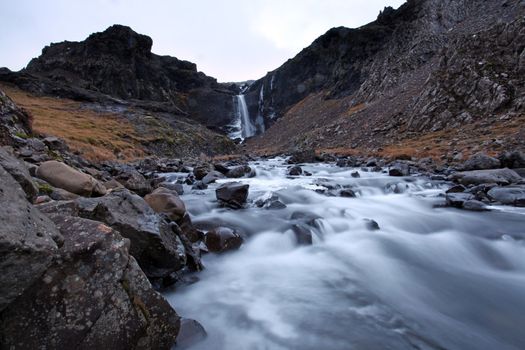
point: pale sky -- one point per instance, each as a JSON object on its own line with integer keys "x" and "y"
{"x": 231, "y": 40}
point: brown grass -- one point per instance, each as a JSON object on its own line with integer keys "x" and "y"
{"x": 94, "y": 135}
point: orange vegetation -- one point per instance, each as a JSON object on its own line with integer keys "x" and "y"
{"x": 96, "y": 136}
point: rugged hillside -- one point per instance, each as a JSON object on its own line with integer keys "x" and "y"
{"x": 412, "y": 79}
{"x": 143, "y": 103}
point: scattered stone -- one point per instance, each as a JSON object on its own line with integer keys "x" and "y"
{"x": 232, "y": 194}
{"x": 199, "y": 185}
{"x": 168, "y": 202}
{"x": 134, "y": 181}
{"x": 371, "y": 225}
{"x": 355, "y": 174}
{"x": 295, "y": 171}
{"x": 456, "y": 189}
{"x": 211, "y": 177}
{"x": 17, "y": 169}
{"x": 512, "y": 195}
{"x": 172, "y": 186}
{"x": 347, "y": 193}
{"x": 457, "y": 200}
{"x": 481, "y": 161}
{"x": 222, "y": 239}
{"x": 63, "y": 176}
{"x": 191, "y": 332}
{"x": 478, "y": 177}
{"x": 399, "y": 169}
{"x": 239, "y": 171}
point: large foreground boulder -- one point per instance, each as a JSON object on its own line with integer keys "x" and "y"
{"x": 92, "y": 296}
{"x": 477, "y": 177}
{"x": 28, "y": 241}
{"x": 232, "y": 194}
{"x": 154, "y": 244}
{"x": 63, "y": 176}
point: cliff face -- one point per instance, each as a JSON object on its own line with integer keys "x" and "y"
{"x": 118, "y": 63}
{"x": 426, "y": 67}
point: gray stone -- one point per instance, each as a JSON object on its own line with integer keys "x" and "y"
{"x": 512, "y": 195}
{"x": 477, "y": 177}
{"x": 17, "y": 169}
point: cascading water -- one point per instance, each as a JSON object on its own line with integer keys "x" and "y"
{"x": 428, "y": 278}
{"x": 247, "y": 127}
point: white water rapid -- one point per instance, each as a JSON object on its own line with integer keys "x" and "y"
{"x": 429, "y": 278}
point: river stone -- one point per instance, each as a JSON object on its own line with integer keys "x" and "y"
{"x": 512, "y": 195}
{"x": 347, "y": 193}
{"x": 239, "y": 171}
{"x": 232, "y": 194}
{"x": 93, "y": 296}
{"x": 200, "y": 171}
{"x": 63, "y": 176}
{"x": 302, "y": 234}
{"x": 211, "y": 177}
{"x": 513, "y": 160}
{"x": 166, "y": 201}
{"x": 295, "y": 171}
{"x": 481, "y": 161}
{"x": 399, "y": 169}
{"x": 172, "y": 186}
{"x": 475, "y": 205}
{"x": 222, "y": 239}
{"x": 156, "y": 247}
{"x": 28, "y": 241}
{"x": 477, "y": 177}
{"x": 457, "y": 200}
{"x": 17, "y": 169}
{"x": 191, "y": 332}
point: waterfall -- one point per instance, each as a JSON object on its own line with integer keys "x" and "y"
{"x": 247, "y": 127}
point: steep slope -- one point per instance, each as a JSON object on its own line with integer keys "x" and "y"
{"x": 412, "y": 72}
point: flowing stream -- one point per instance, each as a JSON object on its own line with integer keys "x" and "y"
{"x": 429, "y": 278}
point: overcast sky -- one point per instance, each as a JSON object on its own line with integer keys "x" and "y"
{"x": 232, "y": 40}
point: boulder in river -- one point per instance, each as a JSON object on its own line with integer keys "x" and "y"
{"x": 457, "y": 200}
{"x": 222, "y": 239}
{"x": 511, "y": 195}
{"x": 190, "y": 333}
{"x": 399, "y": 169}
{"x": 477, "y": 177}
{"x": 240, "y": 171}
{"x": 303, "y": 235}
{"x": 63, "y": 176}
{"x": 232, "y": 194}
{"x": 296, "y": 170}
{"x": 211, "y": 177}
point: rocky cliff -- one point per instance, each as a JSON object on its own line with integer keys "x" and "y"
{"x": 429, "y": 66}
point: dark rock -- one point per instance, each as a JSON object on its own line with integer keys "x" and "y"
{"x": 92, "y": 296}
{"x": 211, "y": 177}
{"x": 456, "y": 189}
{"x": 399, "y": 169}
{"x": 512, "y": 195}
{"x": 222, "y": 239}
{"x": 223, "y": 169}
{"x": 232, "y": 194}
{"x": 188, "y": 230}
{"x": 481, "y": 161}
{"x": 55, "y": 144}
{"x": 371, "y": 225}
{"x": 304, "y": 156}
{"x": 59, "y": 194}
{"x": 28, "y": 241}
{"x": 15, "y": 123}
{"x": 199, "y": 185}
{"x": 295, "y": 171}
{"x": 19, "y": 172}
{"x": 191, "y": 332}
{"x": 477, "y": 177}
{"x": 512, "y": 160}
{"x": 457, "y": 200}
{"x": 201, "y": 171}
{"x": 348, "y": 193}
{"x": 474, "y": 205}
{"x": 156, "y": 247}
{"x": 239, "y": 171}
{"x": 355, "y": 174}
{"x": 303, "y": 234}
{"x": 133, "y": 181}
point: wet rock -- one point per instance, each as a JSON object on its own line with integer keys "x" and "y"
{"x": 475, "y": 205}
{"x": 295, "y": 171}
{"x": 371, "y": 225}
{"x": 348, "y": 193}
{"x": 303, "y": 235}
{"x": 304, "y": 156}
{"x": 211, "y": 177}
{"x": 239, "y": 171}
{"x": 199, "y": 185}
{"x": 92, "y": 296}
{"x": 188, "y": 230}
{"x": 223, "y": 169}
{"x": 191, "y": 332}
{"x": 232, "y": 194}
{"x": 156, "y": 247}
{"x": 28, "y": 241}
{"x": 222, "y": 239}
{"x": 512, "y": 195}
{"x": 478, "y": 177}
{"x": 399, "y": 169}
{"x": 133, "y": 181}
{"x": 456, "y": 189}
{"x": 200, "y": 171}
{"x": 355, "y": 174}
{"x": 269, "y": 201}
{"x": 63, "y": 176}
{"x": 168, "y": 202}
{"x": 172, "y": 186}
{"x": 19, "y": 172}
{"x": 457, "y": 200}
{"x": 481, "y": 161}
